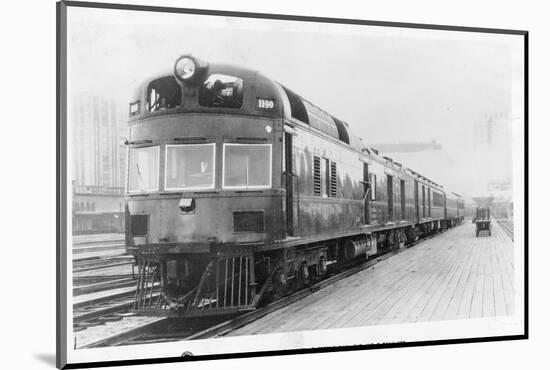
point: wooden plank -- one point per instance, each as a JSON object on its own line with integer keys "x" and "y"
{"x": 444, "y": 282}
{"x": 385, "y": 291}
{"x": 403, "y": 307}
{"x": 453, "y": 275}
{"x": 382, "y": 303}
{"x": 488, "y": 302}
{"x": 343, "y": 292}
{"x": 500, "y": 303}
{"x": 464, "y": 307}
{"x": 421, "y": 298}
{"x": 461, "y": 264}
{"x": 504, "y": 253}
{"x": 423, "y": 263}
{"x": 377, "y": 305}
{"x": 476, "y": 308}
{"x": 460, "y": 289}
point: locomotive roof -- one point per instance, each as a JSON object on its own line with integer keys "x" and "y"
{"x": 296, "y": 108}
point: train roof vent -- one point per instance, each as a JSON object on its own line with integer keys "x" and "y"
{"x": 297, "y": 108}
{"x": 388, "y": 159}
{"x": 342, "y": 130}
{"x": 375, "y": 150}
{"x": 319, "y": 119}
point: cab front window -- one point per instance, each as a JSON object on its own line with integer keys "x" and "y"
{"x": 144, "y": 169}
{"x": 163, "y": 93}
{"x": 247, "y": 166}
{"x": 221, "y": 90}
{"x": 190, "y": 166}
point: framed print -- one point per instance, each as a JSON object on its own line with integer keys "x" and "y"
{"x": 240, "y": 184}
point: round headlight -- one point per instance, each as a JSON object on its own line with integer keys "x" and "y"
{"x": 185, "y": 68}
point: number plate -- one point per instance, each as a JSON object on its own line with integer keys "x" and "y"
{"x": 267, "y": 104}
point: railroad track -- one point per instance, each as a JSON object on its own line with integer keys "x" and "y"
{"x": 508, "y": 227}
{"x": 82, "y": 280}
{"x": 99, "y": 314}
{"x": 112, "y": 306}
{"x": 95, "y": 287}
{"x": 99, "y": 247}
{"x": 97, "y": 262}
{"x": 169, "y": 329}
{"x": 98, "y": 297}
{"x": 102, "y": 240}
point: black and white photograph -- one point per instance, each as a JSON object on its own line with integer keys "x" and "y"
{"x": 254, "y": 184}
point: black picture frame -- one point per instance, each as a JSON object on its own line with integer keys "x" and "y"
{"x": 62, "y": 263}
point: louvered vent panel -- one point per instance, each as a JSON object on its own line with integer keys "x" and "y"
{"x": 333, "y": 180}
{"x": 316, "y": 176}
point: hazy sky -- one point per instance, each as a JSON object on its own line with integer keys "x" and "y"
{"x": 389, "y": 84}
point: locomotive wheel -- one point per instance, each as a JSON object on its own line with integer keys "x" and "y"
{"x": 280, "y": 285}
{"x": 322, "y": 267}
{"x": 401, "y": 239}
{"x": 416, "y": 232}
{"x": 391, "y": 240}
{"x": 303, "y": 274}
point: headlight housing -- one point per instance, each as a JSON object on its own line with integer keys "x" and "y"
{"x": 189, "y": 69}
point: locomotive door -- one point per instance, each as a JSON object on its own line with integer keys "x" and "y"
{"x": 289, "y": 184}
{"x": 416, "y": 207}
{"x": 444, "y": 205}
{"x": 423, "y": 201}
{"x": 367, "y": 193}
{"x": 402, "y": 200}
{"x": 390, "y": 197}
{"x": 429, "y": 202}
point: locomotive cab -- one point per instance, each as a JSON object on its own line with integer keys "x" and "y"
{"x": 204, "y": 153}
{"x": 204, "y": 178}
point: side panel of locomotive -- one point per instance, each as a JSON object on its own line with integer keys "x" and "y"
{"x": 461, "y": 208}
{"x": 334, "y": 208}
{"x": 437, "y": 203}
{"x": 328, "y": 193}
{"x": 391, "y": 193}
{"x": 455, "y": 208}
{"x": 378, "y": 194}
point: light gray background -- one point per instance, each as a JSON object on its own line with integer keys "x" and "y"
{"x": 29, "y": 68}
{"x": 391, "y": 85}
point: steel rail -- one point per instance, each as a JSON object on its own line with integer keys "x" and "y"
{"x": 509, "y": 230}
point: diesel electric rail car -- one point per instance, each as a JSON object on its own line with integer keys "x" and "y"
{"x": 240, "y": 191}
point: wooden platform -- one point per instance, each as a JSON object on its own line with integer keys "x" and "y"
{"x": 453, "y": 275}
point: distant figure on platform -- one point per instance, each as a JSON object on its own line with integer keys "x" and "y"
{"x": 482, "y": 220}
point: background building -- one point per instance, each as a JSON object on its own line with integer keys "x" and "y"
{"x": 99, "y": 164}
{"x": 99, "y": 131}
{"x": 97, "y": 209}
{"x": 493, "y": 150}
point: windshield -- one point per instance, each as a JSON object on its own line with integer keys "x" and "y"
{"x": 163, "y": 93}
{"x": 221, "y": 90}
{"x": 190, "y": 166}
{"x": 247, "y": 165}
{"x": 144, "y": 169}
